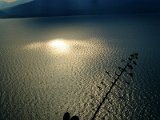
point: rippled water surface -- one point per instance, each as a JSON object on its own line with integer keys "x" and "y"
{"x": 49, "y": 66}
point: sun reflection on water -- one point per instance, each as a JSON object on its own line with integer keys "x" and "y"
{"x": 59, "y": 45}
{"x": 70, "y": 47}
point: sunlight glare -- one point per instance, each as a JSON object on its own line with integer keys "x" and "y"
{"x": 59, "y": 45}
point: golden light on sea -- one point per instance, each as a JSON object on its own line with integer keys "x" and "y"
{"x": 59, "y": 45}
{"x": 68, "y": 47}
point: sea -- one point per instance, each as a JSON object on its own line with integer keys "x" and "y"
{"x": 53, "y": 65}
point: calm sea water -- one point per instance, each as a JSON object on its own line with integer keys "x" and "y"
{"x": 49, "y": 66}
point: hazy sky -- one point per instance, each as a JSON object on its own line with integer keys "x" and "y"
{"x": 10, "y": 3}
{"x": 70, "y": 7}
{"x": 81, "y": 3}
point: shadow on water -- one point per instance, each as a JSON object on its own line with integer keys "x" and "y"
{"x": 129, "y": 64}
{"x": 67, "y": 117}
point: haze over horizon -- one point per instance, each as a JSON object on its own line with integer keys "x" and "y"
{"x": 27, "y": 8}
{"x": 4, "y": 4}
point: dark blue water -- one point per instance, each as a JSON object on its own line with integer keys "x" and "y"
{"x": 52, "y": 65}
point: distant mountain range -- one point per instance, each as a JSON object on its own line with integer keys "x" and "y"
{"x": 45, "y": 8}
